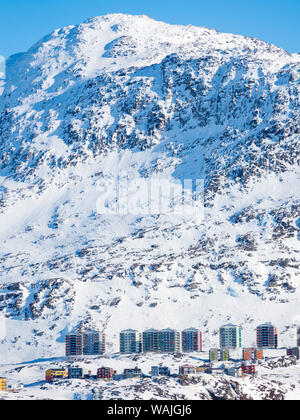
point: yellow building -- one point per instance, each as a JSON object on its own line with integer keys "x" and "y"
{"x": 3, "y": 385}
{"x": 52, "y": 374}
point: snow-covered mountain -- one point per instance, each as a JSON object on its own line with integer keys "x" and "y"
{"x": 129, "y": 95}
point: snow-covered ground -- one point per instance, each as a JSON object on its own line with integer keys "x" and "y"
{"x": 28, "y": 380}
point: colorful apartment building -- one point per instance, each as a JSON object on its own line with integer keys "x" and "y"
{"x": 3, "y": 384}
{"x": 169, "y": 341}
{"x": 253, "y": 354}
{"x": 151, "y": 341}
{"x": 230, "y": 336}
{"x": 53, "y": 374}
{"x": 105, "y": 373}
{"x": 219, "y": 355}
{"x": 267, "y": 336}
{"x": 130, "y": 341}
{"x": 191, "y": 340}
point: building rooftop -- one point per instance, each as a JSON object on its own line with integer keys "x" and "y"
{"x": 230, "y": 326}
{"x": 168, "y": 330}
{"x": 151, "y": 330}
{"x": 129, "y": 331}
{"x": 191, "y": 330}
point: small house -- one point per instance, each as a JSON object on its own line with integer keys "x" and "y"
{"x": 75, "y": 373}
{"x": 249, "y": 370}
{"x": 132, "y": 373}
{"x": 160, "y": 371}
{"x": 187, "y": 370}
{"x": 105, "y": 373}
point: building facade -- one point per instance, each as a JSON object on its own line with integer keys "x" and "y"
{"x": 74, "y": 344}
{"x": 75, "y": 373}
{"x": 169, "y": 341}
{"x": 132, "y": 373}
{"x": 130, "y": 341}
{"x": 253, "y": 354}
{"x": 151, "y": 341}
{"x": 85, "y": 343}
{"x": 294, "y": 351}
{"x": 187, "y": 370}
{"x": 218, "y": 355}
{"x": 93, "y": 343}
{"x": 230, "y": 336}
{"x": 191, "y": 340}
{"x": 52, "y": 374}
{"x": 3, "y": 384}
{"x": 267, "y": 336}
{"x": 249, "y": 370}
{"x": 105, "y": 373}
{"x": 160, "y": 371}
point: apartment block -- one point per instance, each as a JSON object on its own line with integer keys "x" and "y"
{"x": 93, "y": 343}
{"x": 85, "y": 343}
{"x": 169, "y": 341}
{"x": 267, "y": 336}
{"x": 151, "y": 341}
{"x": 130, "y": 341}
{"x": 230, "y": 336}
{"x": 219, "y": 355}
{"x": 73, "y": 344}
{"x": 191, "y": 340}
{"x": 253, "y": 354}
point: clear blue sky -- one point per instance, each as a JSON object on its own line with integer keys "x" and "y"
{"x": 23, "y": 22}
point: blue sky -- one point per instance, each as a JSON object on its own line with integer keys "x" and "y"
{"x": 23, "y": 22}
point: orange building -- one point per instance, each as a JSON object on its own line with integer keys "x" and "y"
{"x": 253, "y": 354}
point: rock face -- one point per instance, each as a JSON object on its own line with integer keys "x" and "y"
{"x": 126, "y": 95}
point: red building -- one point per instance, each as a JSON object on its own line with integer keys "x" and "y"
{"x": 105, "y": 373}
{"x": 249, "y": 370}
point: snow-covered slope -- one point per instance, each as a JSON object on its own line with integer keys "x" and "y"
{"x": 128, "y": 95}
